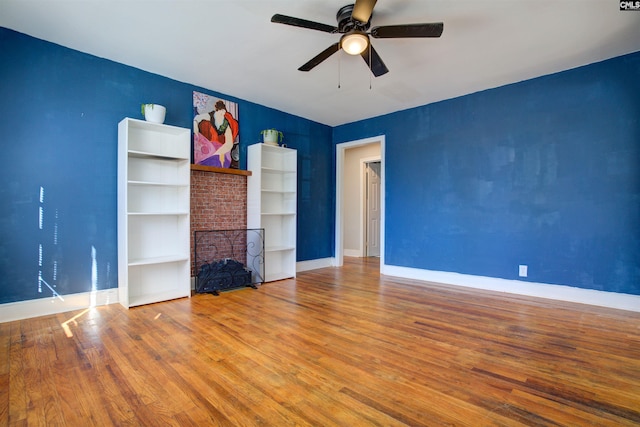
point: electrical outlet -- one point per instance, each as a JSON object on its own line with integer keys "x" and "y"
{"x": 523, "y": 270}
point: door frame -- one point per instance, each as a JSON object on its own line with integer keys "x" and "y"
{"x": 339, "y": 232}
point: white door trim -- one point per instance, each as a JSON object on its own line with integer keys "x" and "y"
{"x": 339, "y": 234}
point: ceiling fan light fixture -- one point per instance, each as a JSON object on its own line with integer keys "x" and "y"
{"x": 354, "y": 42}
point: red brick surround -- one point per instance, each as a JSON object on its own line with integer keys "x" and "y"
{"x": 218, "y": 202}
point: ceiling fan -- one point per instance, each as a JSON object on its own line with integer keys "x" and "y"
{"x": 354, "y": 21}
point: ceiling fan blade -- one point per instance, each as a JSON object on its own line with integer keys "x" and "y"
{"x": 408, "y": 30}
{"x": 377, "y": 66}
{"x": 320, "y": 57}
{"x": 362, "y": 10}
{"x": 303, "y": 23}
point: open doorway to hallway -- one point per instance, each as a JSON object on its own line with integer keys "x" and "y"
{"x": 360, "y": 199}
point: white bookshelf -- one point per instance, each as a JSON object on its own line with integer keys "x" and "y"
{"x": 271, "y": 204}
{"x": 153, "y": 212}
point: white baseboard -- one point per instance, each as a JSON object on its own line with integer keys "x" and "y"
{"x": 46, "y": 306}
{"x": 352, "y": 252}
{"x": 542, "y": 290}
{"x": 315, "y": 263}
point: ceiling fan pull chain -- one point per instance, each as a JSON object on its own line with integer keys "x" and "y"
{"x": 339, "y": 62}
{"x": 370, "y": 61}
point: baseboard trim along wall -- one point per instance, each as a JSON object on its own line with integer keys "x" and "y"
{"x": 54, "y": 305}
{"x": 542, "y": 290}
{"x": 47, "y": 306}
{"x": 315, "y": 264}
{"x": 352, "y": 252}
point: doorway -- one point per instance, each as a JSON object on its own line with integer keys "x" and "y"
{"x": 343, "y": 198}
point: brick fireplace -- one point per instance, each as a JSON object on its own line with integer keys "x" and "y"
{"x": 218, "y": 201}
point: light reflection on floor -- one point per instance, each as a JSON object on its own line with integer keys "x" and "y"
{"x": 67, "y": 328}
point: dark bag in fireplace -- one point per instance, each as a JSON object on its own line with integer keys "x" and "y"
{"x": 221, "y": 275}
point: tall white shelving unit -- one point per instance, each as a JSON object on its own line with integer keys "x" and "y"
{"x": 153, "y": 212}
{"x": 271, "y": 204}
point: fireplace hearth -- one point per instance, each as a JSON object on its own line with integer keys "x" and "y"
{"x": 228, "y": 259}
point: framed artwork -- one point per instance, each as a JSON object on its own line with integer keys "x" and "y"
{"x": 215, "y": 132}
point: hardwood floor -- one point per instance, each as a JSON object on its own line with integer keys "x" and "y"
{"x": 335, "y": 347}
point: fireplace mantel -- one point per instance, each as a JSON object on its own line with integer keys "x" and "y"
{"x": 220, "y": 170}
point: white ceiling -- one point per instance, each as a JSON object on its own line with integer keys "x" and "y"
{"x": 231, "y": 47}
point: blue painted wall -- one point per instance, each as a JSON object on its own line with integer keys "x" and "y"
{"x": 545, "y": 172}
{"x": 59, "y": 111}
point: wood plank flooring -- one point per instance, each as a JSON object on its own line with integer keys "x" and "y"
{"x": 335, "y": 347}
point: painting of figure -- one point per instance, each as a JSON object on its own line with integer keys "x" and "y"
{"x": 215, "y": 132}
